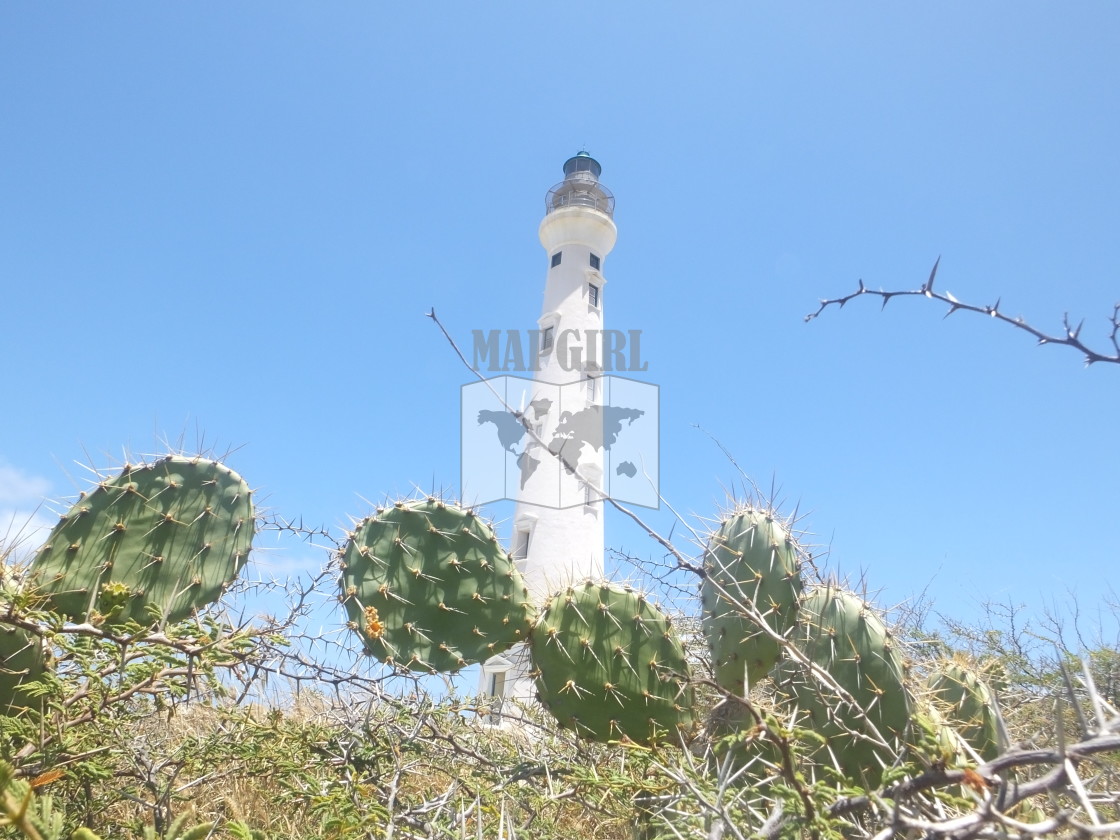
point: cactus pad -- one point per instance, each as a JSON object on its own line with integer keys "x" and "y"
{"x": 428, "y": 587}
{"x": 169, "y": 535}
{"x": 839, "y": 632}
{"x": 751, "y": 559}
{"x": 610, "y": 665}
{"x": 21, "y": 660}
{"x": 968, "y": 705}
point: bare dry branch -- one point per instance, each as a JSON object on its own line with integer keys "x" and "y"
{"x": 1071, "y": 336}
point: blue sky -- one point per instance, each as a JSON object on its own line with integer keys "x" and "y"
{"x": 222, "y": 223}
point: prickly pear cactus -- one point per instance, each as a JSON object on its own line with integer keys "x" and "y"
{"x": 21, "y": 660}
{"x": 169, "y": 535}
{"x": 968, "y": 705}
{"x": 751, "y": 559}
{"x": 839, "y": 632}
{"x": 610, "y": 665}
{"x": 428, "y": 587}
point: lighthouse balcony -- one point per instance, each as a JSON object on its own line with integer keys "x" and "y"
{"x": 569, "y": 194}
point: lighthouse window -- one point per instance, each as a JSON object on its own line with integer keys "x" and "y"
{"x": 592, "y": 294}
{"x": 595, "y": 261}
{"x": 546, "y": 338}
{"x": 556, "y": 258}
{"x": 521, "y": 544}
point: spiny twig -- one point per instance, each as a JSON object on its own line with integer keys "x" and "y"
{"x": 1071, "y": 338}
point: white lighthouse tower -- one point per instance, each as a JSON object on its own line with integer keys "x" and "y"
{"x": 558, "y": 520}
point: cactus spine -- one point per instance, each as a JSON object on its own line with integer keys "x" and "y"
{"x": 610, "y": 665}
{"x": 164, "y": 538}
{"x": 428, "y": 587}
{"x": 753, "y": 574}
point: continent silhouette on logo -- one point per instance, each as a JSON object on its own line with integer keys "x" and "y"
{"x": 511, "y": 427}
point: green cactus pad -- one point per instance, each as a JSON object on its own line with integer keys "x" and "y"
{"x": 968, "y": 705}
{"x": 839, "y": 632}
{"x": 751, "y": 559}
{"x": 428, "y": 587}
{"x": 610, "y": 665}
{"x": 169, "y": 535}
{"x": 21, "y": 660}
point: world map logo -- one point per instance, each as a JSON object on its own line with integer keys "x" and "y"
{"x": 541, "y": 443}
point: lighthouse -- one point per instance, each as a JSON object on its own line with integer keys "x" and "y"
{"x": 558, "y": 522}
{"x": 557, "y": 528}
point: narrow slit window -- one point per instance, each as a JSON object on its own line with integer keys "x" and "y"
{"x": 521, "y": 544}
{"x": 590, "y": 497}
{"x": 497, "y": 697}
{"x": 556, "y": 258}
{"x": 546, "y": 339}
{"x": 592, "y": 294}
{"x": 595, "y": 261}
{"x": 498, "y": 684}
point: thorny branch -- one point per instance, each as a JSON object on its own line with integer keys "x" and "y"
{"x": 1071, "y": 336}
